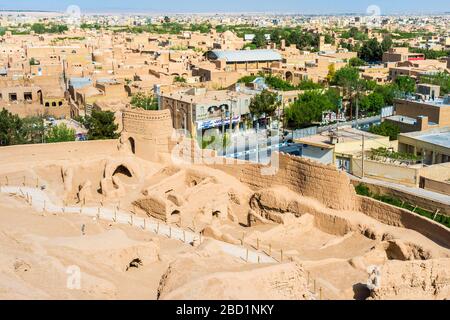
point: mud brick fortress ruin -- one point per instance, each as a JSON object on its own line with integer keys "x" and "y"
{"x": 241, "y": 231}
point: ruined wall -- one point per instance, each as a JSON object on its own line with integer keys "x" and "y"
{"x": 398, "y": 217}
{"x": 311, "y": 179}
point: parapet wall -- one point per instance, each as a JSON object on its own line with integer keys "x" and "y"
{"x": 311, "y": 179}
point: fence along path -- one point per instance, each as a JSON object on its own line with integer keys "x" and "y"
{"x": 39, "y": 200}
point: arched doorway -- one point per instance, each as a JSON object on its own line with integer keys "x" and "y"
{"x": 132, "y": 145}
{"x": 289, "y": 76}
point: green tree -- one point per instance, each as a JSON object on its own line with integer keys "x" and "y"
{"x": 144, "y": 101}
{"x": 259, "y": 40}
{"x": 308, "y": 108}
{"x": 60, "y": 133}
{"x": 372, "y": 103}
{"x": 101, "y": 125}
{"x": 346, "y": 77}
{"x": 388, "y": 91}
{"x": 371, "y": 51}
{"x": 386, "y": 44}
{"x": 356, "y": 62}
{"x": 405, "y": 84}
{"x": 11, "y": 127}
{"x": 387, "y": 129}
{"x": 264, "y": 103}
{"x": 33, "y": 129}
{"x": 33, "y": 62}
{"x": 38, "y": 28}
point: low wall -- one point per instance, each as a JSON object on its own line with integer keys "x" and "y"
{"x": 398, "y": 217}
{"x": 386, "y": 171}
{"x": 435, "y": 185}
{"x": 424, "y": 203}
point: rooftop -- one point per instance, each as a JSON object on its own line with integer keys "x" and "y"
{"x": 345, "y": 134}
{"x": 245, "y": 55}
{"x": 206, "y": 96}
{"x": 438, "y": 136}
{"x": 438, "y": 102}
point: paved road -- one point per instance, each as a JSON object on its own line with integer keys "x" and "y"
{"x": 435, "y": 196}
{"x": 40, "y": 201}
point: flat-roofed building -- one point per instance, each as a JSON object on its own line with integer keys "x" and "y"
{"x": 399, "y": 54}
{"x": 198, "y": 109}
{"x": 432, "y": 145}
{"x": 415, "y": 114}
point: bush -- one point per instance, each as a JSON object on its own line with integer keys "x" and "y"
{"x": 363, "y": 190}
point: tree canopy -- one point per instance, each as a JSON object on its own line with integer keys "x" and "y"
{"x": 60, "y": 133}
{"x": 309, "y": 106}
{"x": 387, "y": 129}
{"x": 101, "y": 125}
{"x": 144, "y": 101}
{"x": 265, "y": 102}
{"x": 371, "y": 51}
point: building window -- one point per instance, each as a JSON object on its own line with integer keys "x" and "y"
{"x": 47, "y": 104}
{"x": 28, "y": 96}
{"x": 13, "y": 97}
{"x": 60, "y": 103}
{"x": 53, "y": 104}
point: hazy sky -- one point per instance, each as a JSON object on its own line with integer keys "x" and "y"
{"x": 297, "y": 6}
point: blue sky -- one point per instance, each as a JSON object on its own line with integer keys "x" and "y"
{"x": 297, "y": 6}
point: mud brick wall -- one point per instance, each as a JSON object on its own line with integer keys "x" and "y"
{"x": 398, "y": 217}
{"x": 311, "y": 179}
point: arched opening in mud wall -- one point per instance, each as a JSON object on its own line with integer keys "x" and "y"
{"x": 124, "y": 174}
{"x": 122, "y": 170}
{"x": 175, "y": 216}
{"x": 132, "y": 145}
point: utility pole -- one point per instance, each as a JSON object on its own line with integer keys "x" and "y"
{"x": 362, "y": 162}
{"x": 223, "y": 132}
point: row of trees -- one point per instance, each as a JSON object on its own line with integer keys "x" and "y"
{"x": 15, "y": 130}
{"x": 41, "y": 28}
{"x": 368, "y": 96}
{"x": 302, "y": 40}
{"x": 276, "y": 83}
